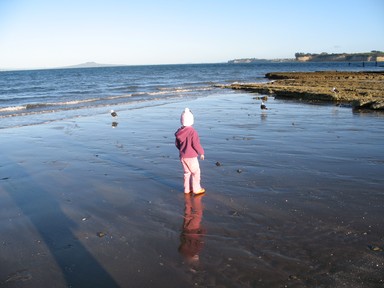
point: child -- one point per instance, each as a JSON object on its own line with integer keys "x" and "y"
{"x": 188, "y": 143}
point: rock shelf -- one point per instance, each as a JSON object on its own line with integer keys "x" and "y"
{"x": 362, "y": 90}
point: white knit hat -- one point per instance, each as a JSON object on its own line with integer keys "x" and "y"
{"x": 186, "y": 118}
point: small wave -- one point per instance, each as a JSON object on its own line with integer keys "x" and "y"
{"x": 12, "y": 108}
{"x": 23, "y": 99}
{"x": 125, "y": 88}
{"x": 37, "y": 105}
{"x": 75, "y": 104}
{"x": 182, "y": 90}
{"x": 54, "y": 107}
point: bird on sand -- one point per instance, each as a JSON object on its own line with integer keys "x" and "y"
{"x": 262, "y": 106}
{"x": 335, "y": 90}
{"x": 113, "y": 113}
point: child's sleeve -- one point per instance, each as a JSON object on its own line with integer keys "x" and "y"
{"x": 196, "y": 144}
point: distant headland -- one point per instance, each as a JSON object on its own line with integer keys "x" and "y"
{"x": 258, "y": 60}
{"x": 373, "y": 56}
{"x": 89, "y": 65}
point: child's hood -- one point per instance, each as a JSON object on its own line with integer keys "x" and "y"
{"x": 183, "y": 133}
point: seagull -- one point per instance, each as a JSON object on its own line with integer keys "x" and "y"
{"x": 262, "y": 106}
{"x": 113, "y": 113}
{"x": 335, "y": 90}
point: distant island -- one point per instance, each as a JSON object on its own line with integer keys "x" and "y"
{"x": 89, "y": 65}
{"x": 257, "y": 60}
{"x": 373, "y": 56}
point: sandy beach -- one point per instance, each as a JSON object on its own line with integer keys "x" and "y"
{"x": 294, "y": 199}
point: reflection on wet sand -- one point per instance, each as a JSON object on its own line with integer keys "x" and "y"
{"x": 191, "y": 238}
{"x": 263, "y": 116}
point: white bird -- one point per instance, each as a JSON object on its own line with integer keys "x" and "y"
{"x": 262, "y": 106}
{"x": 335, "y": 90}
{"x": 113, "y": 113}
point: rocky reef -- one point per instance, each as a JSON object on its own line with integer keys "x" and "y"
{"x": 362, "y": 90}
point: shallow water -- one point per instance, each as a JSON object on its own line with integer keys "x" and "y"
{"x": 296, "y": 201}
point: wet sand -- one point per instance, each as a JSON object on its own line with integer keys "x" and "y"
{"x": 294, "y": 199}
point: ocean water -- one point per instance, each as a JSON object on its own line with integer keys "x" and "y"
{"x": 39, "y": 96}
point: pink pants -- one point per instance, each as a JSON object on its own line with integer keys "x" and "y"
{"x": 191, "y": 174}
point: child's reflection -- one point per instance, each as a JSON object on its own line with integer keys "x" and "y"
{"x": 191, "y": 238}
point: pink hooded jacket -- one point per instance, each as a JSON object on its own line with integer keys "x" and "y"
{"x": 188, "y": 142}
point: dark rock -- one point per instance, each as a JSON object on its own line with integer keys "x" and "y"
{"x": 372, "y": 105}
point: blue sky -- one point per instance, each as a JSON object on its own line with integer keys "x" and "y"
{"x": 48, "y": 33}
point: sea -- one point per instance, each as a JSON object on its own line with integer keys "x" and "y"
{"x": 31, "y": 97}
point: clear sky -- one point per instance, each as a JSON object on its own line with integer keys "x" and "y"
{"x": 49, "y": 33}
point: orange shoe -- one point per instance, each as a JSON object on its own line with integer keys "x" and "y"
{"x": 201, "y": 191}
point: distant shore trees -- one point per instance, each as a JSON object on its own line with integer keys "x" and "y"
{"x": 374, "y": 55}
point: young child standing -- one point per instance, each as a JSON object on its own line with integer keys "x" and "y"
{"x": 188, "y": 143}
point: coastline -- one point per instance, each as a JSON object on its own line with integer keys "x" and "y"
{"x": 84, "y": 204}
{"x": 362, "y": 90}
